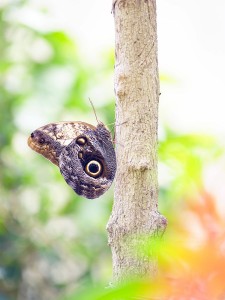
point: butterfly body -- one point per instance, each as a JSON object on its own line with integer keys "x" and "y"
{"x": 84, "y": 154}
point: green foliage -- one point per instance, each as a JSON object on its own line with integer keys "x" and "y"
{"x": 49, "y": 237}
{"x": 187, "y": 155}
{"x": 122, "y": 292}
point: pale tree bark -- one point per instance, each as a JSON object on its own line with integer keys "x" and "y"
{"x": 135, "y": 217}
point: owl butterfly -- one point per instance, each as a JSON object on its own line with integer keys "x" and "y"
{"x": 83, "y": 153}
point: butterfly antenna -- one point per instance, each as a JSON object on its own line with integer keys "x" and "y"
{"x": 94, "y": 110}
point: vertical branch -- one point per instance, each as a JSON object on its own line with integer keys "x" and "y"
{"x": 135, "y": 212}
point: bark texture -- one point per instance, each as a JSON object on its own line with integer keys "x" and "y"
{"x": 135, "y": 215}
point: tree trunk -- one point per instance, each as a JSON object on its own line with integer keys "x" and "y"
{"x": 135, "y": 217}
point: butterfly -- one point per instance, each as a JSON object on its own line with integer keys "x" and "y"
{"x": 84, "y": 154}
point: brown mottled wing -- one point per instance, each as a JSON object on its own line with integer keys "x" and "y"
{"x": 99, "y": 148}
{"x": 58, "y": 142}
{"x": 49, "y": 140}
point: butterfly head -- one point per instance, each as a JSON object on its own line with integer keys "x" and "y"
{"x": 40, "y": 142}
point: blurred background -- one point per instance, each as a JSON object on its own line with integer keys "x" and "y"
{"x": 54, "y": 55}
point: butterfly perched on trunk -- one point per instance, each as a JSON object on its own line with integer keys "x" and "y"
{"x": 84, "y": 154}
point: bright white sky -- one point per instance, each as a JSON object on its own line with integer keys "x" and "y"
{"x": 191, "y": 49}
{"x": 191, "y": 38}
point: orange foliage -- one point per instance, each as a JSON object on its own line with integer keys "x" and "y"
{"x": 194, "y": 264}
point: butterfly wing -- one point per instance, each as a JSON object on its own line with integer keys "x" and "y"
{"x": 49, "y": 140}
{"x": 88, "y": 163}
{"x": 84, "y": 154}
